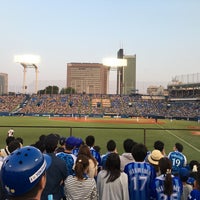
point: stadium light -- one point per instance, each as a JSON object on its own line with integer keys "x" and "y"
{"x": 28, "y": 61}
{"x": 115, "y": 62}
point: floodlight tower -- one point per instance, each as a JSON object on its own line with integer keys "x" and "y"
{"x": 28, "y": 61}
{"x": 116, "y": 64}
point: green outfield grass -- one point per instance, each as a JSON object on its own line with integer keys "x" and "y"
{"x": 190, "y": 142}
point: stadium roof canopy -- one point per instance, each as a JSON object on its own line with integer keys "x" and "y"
{"x": 185, "y": 86}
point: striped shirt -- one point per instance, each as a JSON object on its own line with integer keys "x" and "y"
{"x": 76, "y": 189}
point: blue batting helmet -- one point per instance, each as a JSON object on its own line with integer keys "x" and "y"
{"x": 23, "y": 169}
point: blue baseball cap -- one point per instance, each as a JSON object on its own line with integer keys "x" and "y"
{"x": 71, "y": 141}
{"x": 79, "y": 141}
{"x": 184, "y": 172}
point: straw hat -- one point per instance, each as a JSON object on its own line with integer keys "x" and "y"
{"x": 154, "y": 157}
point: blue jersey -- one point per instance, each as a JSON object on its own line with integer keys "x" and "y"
{"x": 75, "y": 151}
{"x": 69, "y": 161}
{"x": 103, "y": 160}
{"x": 96, "y": 155}
{"x": 140, "y": 179}
{"x": 158, "y": 188}
{"x": 194, "y": 195}
{"x": 178, "y": 161}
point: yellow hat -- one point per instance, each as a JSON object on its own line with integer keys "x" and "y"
{"x": 155, "y": 156}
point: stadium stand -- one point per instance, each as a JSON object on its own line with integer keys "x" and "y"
{"x": 81, "y": 105}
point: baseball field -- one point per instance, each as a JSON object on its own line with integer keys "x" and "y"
{"x": 139, "y": 129}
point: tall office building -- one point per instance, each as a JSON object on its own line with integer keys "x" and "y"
{"x": 126, "y": 76}
{"x": 3, "y": 83}
{"x": 89, "y": 78}
{"x": 129, "y": 84}
{"x": 120, "y": 73}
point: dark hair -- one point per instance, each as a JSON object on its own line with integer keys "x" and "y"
{"x": 62, "y": 141}
{"x": 128, "y": 145}
{"x": 90, "y": 140}
{"x": 192, "y": 163}
{"x": 139, "y": 152}
{"x": 165, "y": 166}
{"x": 84, "y": 150}
{"x": 51, "y": 142}
{"x": 9, "y": 139}
{"x": 82, "y": 162}
{"x": 111, "y": 145}
{"x": 112, "y": 167}
{"x": 13, "y": 145}
{"x": 20, "y": 140}
{"x": 69, "y": 147}
{"x": 159, "y": 145}
{"x": 179, "y": 147}
{"x": 42, "y": 138}
{"x": 40, "y": 144}
{"x": 184, "y": 174}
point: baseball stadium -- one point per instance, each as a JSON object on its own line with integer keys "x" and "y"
{"x": 79, "y": 121}
{"x": 144, "y": 118}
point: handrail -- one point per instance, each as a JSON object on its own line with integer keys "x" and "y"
{"x": 95, "y": 127}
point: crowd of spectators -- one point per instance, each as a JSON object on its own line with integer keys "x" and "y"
{"x": 9, "y": 103}
{"x": 46, "y": 174}
{"x": 87, "y": 104}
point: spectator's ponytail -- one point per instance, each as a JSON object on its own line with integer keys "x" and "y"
{"x": 81, "y": 166}
{"x": 165, "y": 169}
{"x": 168, "y": 186}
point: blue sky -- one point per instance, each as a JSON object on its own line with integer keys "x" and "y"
{"x": 164, "y": 35}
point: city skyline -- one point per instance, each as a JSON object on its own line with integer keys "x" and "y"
{"x": 163, "y": 34}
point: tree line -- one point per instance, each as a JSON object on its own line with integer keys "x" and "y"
{"x": 55, "y": 90}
